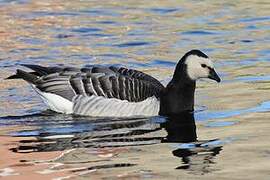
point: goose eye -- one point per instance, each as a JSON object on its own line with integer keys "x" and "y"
{"x": 203, "y": 65}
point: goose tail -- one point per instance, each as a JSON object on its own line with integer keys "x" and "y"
{"x": 20, "y": 74}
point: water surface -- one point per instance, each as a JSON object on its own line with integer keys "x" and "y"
{"x": 226, "y": 137}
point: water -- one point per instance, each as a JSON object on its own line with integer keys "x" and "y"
{"x": 227, "y": 136}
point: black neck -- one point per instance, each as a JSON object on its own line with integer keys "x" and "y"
{"x": 178, "y": 96}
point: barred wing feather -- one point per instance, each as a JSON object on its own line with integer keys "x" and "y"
{"x": 108, "y": 82}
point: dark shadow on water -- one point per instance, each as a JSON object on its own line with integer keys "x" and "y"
{"x": 196, "y": 155}
{"x": 57, "y": 132}
{"x": 180, "y": 128}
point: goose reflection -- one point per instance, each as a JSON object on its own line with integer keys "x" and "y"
{"x": 180, "y": 128}
{"x": 196, "y": 155}
{"x": 59, "y": 132}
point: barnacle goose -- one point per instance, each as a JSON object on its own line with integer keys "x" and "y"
{"x": 118, "y": 91}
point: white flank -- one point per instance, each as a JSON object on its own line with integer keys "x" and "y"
{"x": 112, "y": 107}
{"x": 100, "y": 106}
{"x": 55, "y": 102}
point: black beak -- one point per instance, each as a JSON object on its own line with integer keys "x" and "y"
{"x": 213, "y": 75}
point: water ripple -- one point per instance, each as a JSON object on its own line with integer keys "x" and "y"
{"x": 255, "y": 19}
{"x": 101, "y": 12}
{"x": 162, "y": 63}
{"x": 208, "y": 115}
{"x": 164, "y": 10}
{"x": 199, "y": 32}
{"x": 86, "y": 30}
{"x": 131, "y": 44}
{"x": 46, "y": 13}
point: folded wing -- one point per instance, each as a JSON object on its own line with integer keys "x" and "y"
{"x": 109, "y": 82}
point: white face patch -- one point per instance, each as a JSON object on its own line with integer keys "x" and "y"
{"x": 194, "y": 67}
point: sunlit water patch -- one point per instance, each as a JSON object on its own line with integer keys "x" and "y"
{"x": 253, "y": 78}
{"x": 210, "y": 115}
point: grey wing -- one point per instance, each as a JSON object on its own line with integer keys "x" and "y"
{"x": 68, "y": 81}
{"x": 111, "y": 82}
{"x": 124, "y": 84}
{"x": 69, "y": 84}
{"x": 137, "y": 75}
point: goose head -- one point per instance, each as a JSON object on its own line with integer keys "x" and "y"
{"x": 199, "y": 65}
{"x": 178, "y": 96}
